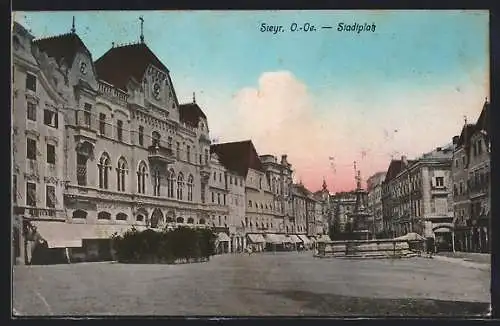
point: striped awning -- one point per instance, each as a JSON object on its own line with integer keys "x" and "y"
{"x": 274, "y": 238}
{"x": 295, "y": 239}
{"x": 323, "y": 238}
{"x": 304, "y": 239}
{"x": 222, "y": 237}
{"x": 63, "y": 235}
{"x": 256, "y": 238}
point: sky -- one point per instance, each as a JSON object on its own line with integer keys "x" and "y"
{"x": 326, "y": 98}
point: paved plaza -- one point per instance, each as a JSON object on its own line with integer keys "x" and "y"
{"x": 283, "y": 284}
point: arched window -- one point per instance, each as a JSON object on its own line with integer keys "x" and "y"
{"x": 202, "y": 221}
{"x": 219, "y": 221}
{"x": 103, "y": 216}
{"x": 79, "y": 214}
{"x": 139, "y": 218}
{"x": 246, "y": 221}
{"x": 141, "y": 178}
{"x": 121, "y": 170}
{"x": 180, "y": 220}
{"x": 121, "y": 217}
{"x": 156, "y": 218}
{"x": 155, "y": 138}
{"x": 180, "y": 186}
{"x": 104, "y": 166}
{"x": 190, "y": 220}
{"x": 171, "y": 182}
{"x": 190, "y": 187}
{"x": 157, "y": 182}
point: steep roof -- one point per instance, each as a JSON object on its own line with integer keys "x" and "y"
{"x": 62, "y": 47}
{"x": 191, "y": 114}
{"x": 484, "y": 118}
{"x": 121, "y": 63}
{"x": 467, "y": 131}
{"x": 394, "y": 168}
{"x": 238, "y": 156}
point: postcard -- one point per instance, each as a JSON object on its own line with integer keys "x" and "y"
{"x": 251, "y": 163}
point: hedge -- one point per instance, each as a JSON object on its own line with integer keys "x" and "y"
{"x": 182, "y": 244}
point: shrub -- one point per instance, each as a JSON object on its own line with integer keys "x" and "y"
{"x": 166, "y": 245}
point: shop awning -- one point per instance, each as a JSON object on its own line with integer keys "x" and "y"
{"x": 274, "y": 238}
{"x": 62, "y": 234}
{"x": 256, "y": 238}
{"x": 286, "y": 239}
{"x": 324, "y": 238}
{"x": 304, "y": 238}
{"x": 295, "y": 238}
{"x": 442, "y": 230}
{"x": 222, "y": 237}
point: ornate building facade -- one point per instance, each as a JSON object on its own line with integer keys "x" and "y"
{"x": 100, "y": 146}
{"x": 417, "y": 196}
{"x": 374, "y": 187}
{"x": 471, "y": 185}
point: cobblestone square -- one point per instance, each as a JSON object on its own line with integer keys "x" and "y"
{"x": 268, "y": 284}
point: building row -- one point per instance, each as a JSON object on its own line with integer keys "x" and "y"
{"x": 99, "y": 146}
{"x": 444, "y": 194}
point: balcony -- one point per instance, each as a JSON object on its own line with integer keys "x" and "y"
{"x": 160, "y": 154}
{"x": 83, "y": 127}
{"x": 40, "y": 213}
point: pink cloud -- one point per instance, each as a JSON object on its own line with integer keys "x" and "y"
{"x": 281, "y": 116}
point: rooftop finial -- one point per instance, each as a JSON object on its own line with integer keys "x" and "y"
{"x": 486, "y": 99}
{"x": 142, "y": 29}
{"x": 73, "y": 29}
{"x": 194, "y": 97}
{"x": 465, "y": 119}
{"x": 112, "y": 44}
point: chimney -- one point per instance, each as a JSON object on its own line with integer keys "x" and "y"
{"x": 404, "y": 160}
{"x": 283, "y": 159}
{"x": 455, "y": 140}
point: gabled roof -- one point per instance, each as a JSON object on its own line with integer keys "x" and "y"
{"x": 395, "y": 167}
{"x": 467, "y": 131}
{"x": 483, "y": 122}
{"x": 121, "y": 63}
{"x": 191, "y": 114}
{"x": 238, "y": 156}
{"x": 62, "y": 47}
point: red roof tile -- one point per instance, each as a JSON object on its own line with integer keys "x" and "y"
{"x": 121, "y": 63}
{"x": 238, "y": 156}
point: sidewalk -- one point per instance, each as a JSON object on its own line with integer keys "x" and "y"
{"x": 466, "y": 259}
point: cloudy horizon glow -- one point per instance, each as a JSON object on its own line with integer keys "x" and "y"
{"x": 402, "y": 90}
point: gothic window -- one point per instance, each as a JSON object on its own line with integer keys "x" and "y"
{"x": 180, "y": 186}
{"x": 119, "y": 130}
{"x": 190, "y": 220}
{"x": 50, "y": 196}
{"x": 81, "y": 169}
{"x": 157, "y": 182}
{"x": 102, "y": 124}
{"x": 213, "y": 197}
{"x": 121, "y": 171}
{"x": 188, "y": 153}
{"x": 178, "y": 150}
{"x": 171, "y": 183}
{"x": 155, "y": 136}
{"x": 190, "y": 187}
{"x": 141, "y": 178}
{"x": 218, "y": 199}
{"x": 87, "y": 113}
{"x": 141, "y": 135}
{"x": 104, "y": 166}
